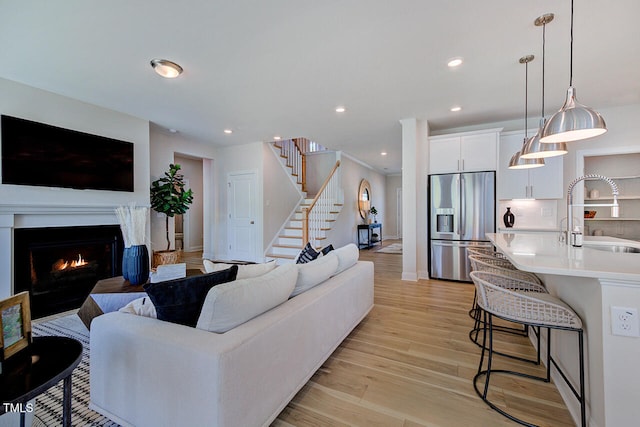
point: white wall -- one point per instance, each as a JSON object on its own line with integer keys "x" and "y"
{"x": 25, "y": 206}
{"x": 393, "y": 183}
{"x": 191, "y": 168}
{"x": 352, "y": 172}
{"x": 164, "y": 146}
{"x": 280, "y": 196}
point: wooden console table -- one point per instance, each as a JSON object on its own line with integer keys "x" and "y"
{"x": 369, "y": 228}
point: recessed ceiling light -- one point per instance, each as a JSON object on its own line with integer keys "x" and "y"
{"x": 384, "y": 153}
{"x": 454, "y": 62}
{"x": 173, "y": 130}
{"x": 227, "y": 131}
{"x": 166, "y": 68}
{"x": 455, "y": 109}
{"x": 340, "y": 109}
{"x": 277, "y": 138}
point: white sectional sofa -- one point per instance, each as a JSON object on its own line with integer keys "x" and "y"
{"x": 146, "y": 372}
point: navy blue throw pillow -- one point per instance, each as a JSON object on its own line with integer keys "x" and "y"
{"x": 326, "y": 249}
{"x": 180, "y": 300}
{"x": 308, "y": 254}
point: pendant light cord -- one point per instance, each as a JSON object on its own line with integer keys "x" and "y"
{"x": 544, "y": 30}
{"x": 526, "y": 100}
{"x": 571, "y": 49}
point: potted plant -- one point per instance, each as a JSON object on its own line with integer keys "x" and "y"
{"x": 168, "y": 196}
{"x": 374, "y": 212}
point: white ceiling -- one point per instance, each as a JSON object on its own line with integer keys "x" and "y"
{"x": 280, "y": 67}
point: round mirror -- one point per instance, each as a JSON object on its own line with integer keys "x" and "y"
{"x": 364, "y": 198}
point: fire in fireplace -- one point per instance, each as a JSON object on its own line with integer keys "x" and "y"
{"x": 59, "y": 266}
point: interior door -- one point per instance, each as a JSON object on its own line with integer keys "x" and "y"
{"x": 241, "y": 205}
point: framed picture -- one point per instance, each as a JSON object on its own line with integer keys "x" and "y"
{"x": 15, "y": 324}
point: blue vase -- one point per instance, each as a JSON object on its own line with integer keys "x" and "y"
{"x": 135, "y": 264}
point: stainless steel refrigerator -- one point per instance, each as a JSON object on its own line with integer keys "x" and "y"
{"x": 462, "y": 211}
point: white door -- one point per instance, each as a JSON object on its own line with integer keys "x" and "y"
{"x": 241, "y": 205}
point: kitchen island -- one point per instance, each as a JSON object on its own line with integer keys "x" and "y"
{"x": 591, "y": 280}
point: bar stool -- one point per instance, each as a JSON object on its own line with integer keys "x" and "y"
{"x": 509, "y": 299}
{"x": 528, "y": 281}
{"x": 496, "y": 258}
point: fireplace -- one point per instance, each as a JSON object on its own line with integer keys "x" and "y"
{"x": 60, "y": 265}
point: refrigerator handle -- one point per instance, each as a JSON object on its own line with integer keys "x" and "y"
{"x": 463, "y": 209}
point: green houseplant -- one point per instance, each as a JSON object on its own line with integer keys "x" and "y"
{"x": 374, "y": 212}
{"x": 168, "y": 196}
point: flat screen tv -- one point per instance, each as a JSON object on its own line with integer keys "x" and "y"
{"x": 48, "y": 156}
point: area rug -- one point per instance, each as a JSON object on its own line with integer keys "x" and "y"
{"x": 394, "y": 248}
{"x": 49, "y": 404}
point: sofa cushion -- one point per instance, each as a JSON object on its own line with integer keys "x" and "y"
{"x": 232, "y": 304}
{"x": 244, "y": 271}
{"x": 307, "y": 254}
{"x": 141, "y": 307}
{"x": 180, "y": 300}
{"x": 326, "y": 249}
{"x": 347, "y": 256}
{"x": 315, "y": 272}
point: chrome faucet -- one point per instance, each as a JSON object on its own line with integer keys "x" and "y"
{"x": 615, "y": 210}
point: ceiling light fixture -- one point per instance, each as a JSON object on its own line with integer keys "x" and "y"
{"x": 574, "y": 121}
{"x": 455, "y": 109}
{"x": 166, "y": 68}
{"x": 340, "y": 109}
{"x": 384, "y": 153}
{"x": 516, "y": 161}
{"x": 533, "y": 149}
{"x": 455, "y": 62}
{"x": 228, "y": 131}
{"x": 277, "y": 138}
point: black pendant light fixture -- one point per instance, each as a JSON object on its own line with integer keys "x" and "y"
{"x": 517, "y": 162}
{"x": 574, "y": 121}
{"x": 533, "y": 149}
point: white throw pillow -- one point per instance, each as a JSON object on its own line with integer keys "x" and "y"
{"x": 347, "y": 256}
{"x": 315, "y": 272}
{"x": 244, "y": 271}
{"x": 142, "y": 307}
{"x": 231, "y": 304}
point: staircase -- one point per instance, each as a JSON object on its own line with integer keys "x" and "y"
{"x": 314, "y": 216}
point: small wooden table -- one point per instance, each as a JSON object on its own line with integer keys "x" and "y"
{"x": 38, "y": 368}
{"x": 111, "y": 295}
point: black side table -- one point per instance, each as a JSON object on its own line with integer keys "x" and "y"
{"x": 369, "y": 228}
{"x": 47, "y": 361}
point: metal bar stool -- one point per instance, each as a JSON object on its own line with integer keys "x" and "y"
{"x": 503, "y": 297}
{"x": 528, "y": 282}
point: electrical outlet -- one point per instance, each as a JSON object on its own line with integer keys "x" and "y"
{"x": 624, "y": 321}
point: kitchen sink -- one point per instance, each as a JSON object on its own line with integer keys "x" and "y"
{"x": 614, "y": 248}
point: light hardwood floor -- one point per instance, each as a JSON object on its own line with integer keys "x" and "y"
{"x": 410, "y": 363}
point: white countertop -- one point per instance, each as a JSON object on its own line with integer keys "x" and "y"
{"x": 544, "y": 253}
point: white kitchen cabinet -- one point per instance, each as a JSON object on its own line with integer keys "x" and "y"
{"x": 537, "y": 183}
{"x": 464, "y": 152}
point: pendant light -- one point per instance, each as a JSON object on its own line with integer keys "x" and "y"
{"x": 574, "y": 121}
{"x": 533, "y": 149}
{"x": 516, "y": 161}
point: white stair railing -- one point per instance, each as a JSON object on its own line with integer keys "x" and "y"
{"x": 321, "y": 208}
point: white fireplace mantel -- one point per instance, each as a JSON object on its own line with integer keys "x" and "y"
{"x": 14, "y": 216}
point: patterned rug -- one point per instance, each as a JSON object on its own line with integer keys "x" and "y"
{"x": 49, "y": 404}
{"x": 394, "y": 248}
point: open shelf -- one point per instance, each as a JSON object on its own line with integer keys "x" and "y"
{"x": 611, "y": 219}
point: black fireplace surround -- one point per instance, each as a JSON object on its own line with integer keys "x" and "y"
{"x": 60, "y": 265}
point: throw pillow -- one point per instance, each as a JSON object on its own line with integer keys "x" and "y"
{"x": 347, "y": 256}
{"x": 315, "y": 272}
{"x": 326, "y": 249}
{"x": 233, "y": 304}
{"x": 141, "y": 307}
{"x": 308, "y": 254}
{"x": 180, "y": 300}
{"x": 244, "y": 271}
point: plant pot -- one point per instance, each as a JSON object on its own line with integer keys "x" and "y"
{"x": 166, "y": 257}
{"x": 135, "y": 264}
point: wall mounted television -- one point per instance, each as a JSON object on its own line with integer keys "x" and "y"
{"x": 38, "y": 154}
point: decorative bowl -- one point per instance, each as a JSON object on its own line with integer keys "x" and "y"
{"x": 589, "y": 214}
